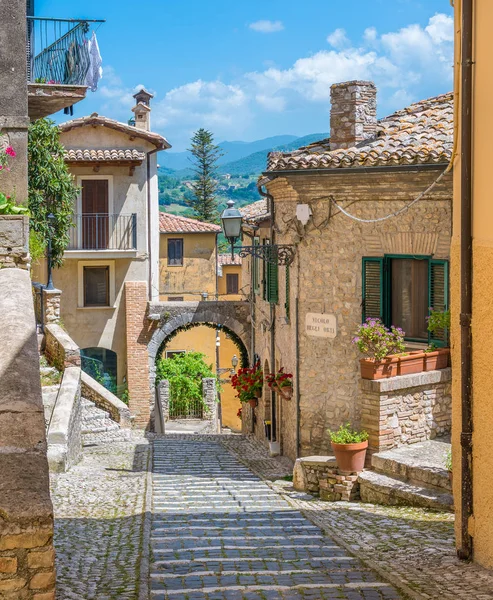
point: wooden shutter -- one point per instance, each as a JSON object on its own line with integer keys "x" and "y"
{"x": 95, "y": 218}
{"x": 372, "y": 301}
{"x": 287, "y": 303}
{"x": 255, "y": 270}
{"x": 232, "y": 283}
{"x": 175, "y": 252}
{"x": 272, "y": 283}
{"x": 438, "y": 296}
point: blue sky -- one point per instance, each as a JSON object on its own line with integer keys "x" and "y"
{"x": 249, "y": 69}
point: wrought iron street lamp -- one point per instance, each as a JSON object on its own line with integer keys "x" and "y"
{"x": 51, "y": 223}
{"x": 271, "y": 253}
{"x": 234, "y": 363}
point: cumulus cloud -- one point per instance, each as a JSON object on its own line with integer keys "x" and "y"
{"x": 406, "y": 65}
{"x": 265, "y": 26}
{"x": 338, "y": 39}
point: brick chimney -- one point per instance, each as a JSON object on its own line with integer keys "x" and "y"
{"x": 353, "y": 114}
{"x": 142, "y": 109}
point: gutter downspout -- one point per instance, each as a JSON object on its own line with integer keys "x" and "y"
{"x": 273, "y": 435}
{"x": 465, "y": 551}
{"x": 149, "y": 232}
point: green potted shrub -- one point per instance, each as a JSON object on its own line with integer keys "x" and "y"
{"x": 439, "y": 325}
{"x": 349, "y": 448}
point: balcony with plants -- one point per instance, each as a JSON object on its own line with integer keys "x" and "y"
{"x": 58, "y": 63}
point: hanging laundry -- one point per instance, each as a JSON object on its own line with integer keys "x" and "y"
{"x": 95, "y": 71}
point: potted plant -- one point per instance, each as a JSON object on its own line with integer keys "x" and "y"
{"x": 281, "y": 382}
{"x": 349, "y": 447}
{"x": 448, "y": 465}
{"x": 439, "y": 324}
{"x": 248, "y": 383}
{"x": 380, "y": 345}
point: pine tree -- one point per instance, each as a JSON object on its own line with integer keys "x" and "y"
{"x": 205, "y": 155}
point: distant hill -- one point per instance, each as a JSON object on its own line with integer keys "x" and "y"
{"x": 233, "y": 151}
{"x": 255, "y": 163}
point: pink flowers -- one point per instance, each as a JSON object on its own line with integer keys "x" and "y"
{"x": 5, "y": 155}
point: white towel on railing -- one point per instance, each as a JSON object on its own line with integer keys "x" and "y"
{"x": 95, "y": 71}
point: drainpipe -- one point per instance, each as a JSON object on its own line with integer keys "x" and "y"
{"x": 273, "y": 435}
{"x": 298, "y": 402}
{"x": 149, "y": 232}
{"x": 466, "y": 543}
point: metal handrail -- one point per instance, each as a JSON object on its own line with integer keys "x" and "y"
{"x": 99, "y": 231}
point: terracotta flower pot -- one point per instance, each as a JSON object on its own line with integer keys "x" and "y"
{"x": 413, "y": 362}
{"x": 286, "y": 392}
{"x": 253, "y": 402}
{"x": 350, "y": 457}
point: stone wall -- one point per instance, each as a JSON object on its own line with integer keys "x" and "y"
{"x": 47, "y": 304}
{"x": 326, "y": 277}
{"x": 406, "y": 409}
{"x": 65, "y": 430}
{"x": 60, "y": 349}
{"x": 27, "y": 569}
{"x": 320, "y": 475}
{"x": 209, "y": 396}
{"x": 104, "y": 399}
{"x": 14, "y": 241}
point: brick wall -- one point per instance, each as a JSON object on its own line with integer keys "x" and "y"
{"x": 404, "y": 410}
{"x": 139, "y": 332}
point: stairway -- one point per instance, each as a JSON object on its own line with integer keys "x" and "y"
{"x": 98, "y": 428}
{"x": 412, "y": 475}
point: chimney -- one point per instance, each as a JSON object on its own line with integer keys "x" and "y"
{"x": 353, "y": 114}
{"x": 142, "y": 109}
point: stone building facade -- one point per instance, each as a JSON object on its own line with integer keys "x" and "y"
{"x": 401, "y": 157}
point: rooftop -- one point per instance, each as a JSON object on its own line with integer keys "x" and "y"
{"x": 422, "y": 133}
{"x": 224, "y": 260}
{"x": 256, "y": 211}
{"x": 104, "y": 155}
{"x": 96, "y": 120}
{"x": 176, "y": 224}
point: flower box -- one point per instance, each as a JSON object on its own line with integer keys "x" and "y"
{"x": 414, "y": 362}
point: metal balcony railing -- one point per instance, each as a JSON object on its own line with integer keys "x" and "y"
{"x": 103, "y": 232}
{"x": 57, "y": 50}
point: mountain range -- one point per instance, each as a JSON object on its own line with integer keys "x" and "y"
{"x": 239, "y": 158}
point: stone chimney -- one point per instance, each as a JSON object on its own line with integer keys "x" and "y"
{"x": 142, "y": 109}
{"x": 353, "y": 115}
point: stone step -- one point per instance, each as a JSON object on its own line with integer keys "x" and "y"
{"x": 377, "y": 488}
{"x": 94, "y": 414}
{"x": 98, "y": 428}
{"x": 422, "y": 464}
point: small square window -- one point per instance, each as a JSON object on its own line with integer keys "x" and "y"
{"x": 96, "y": 286}
{"x": 175, "y": 252}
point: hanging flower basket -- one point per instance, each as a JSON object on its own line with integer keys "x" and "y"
{"x": 281, "y": 383}
{"x": 248, "y": 383}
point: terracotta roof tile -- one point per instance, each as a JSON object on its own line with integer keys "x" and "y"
{"x": 256, "y": 211}
{"x": 176, "y": 224}
{"x": 422, "y": 133}
{"x": 96, "y": 120}
{"x": 104, "y": 154}
{"x": 225, "y": 259}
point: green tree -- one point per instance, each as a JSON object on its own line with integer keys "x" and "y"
{"x": 205, "y": 155}
{"x": 51, "y": 187}
{"x": 184, "y": 373}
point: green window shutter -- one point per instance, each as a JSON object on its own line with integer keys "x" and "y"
{"x": 288, "y": 290}
{"x": 438, "y": 296}
{"x": 372, "y": 302}
{"x": 255, "y": 269}
{"x": 272, "y": 283}
{"x": 264, "y": 277}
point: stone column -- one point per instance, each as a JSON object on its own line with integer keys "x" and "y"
{"x": 210, "y": 399}
{"x": 14, "y": 119}
{"x": 51, "y": 306}
{"x": 163, "y": 399}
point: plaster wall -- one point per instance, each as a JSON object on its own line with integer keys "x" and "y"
{"x": 222, "y": 289}
{"x": 326, "y": 277}
{"x": 198, "y": 272}
{"x": 481, "y": 526}
{"x": 203, "y": 339}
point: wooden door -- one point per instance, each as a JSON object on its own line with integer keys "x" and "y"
{"x": 95, "y": 217}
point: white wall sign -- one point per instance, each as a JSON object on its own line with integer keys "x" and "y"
{"x": 320, "y": 325}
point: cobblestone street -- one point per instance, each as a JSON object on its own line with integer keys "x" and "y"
{"x": 221, "y": 523}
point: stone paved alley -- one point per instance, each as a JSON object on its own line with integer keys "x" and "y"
{"x": 209, "y": 524}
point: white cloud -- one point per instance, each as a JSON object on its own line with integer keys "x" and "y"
{"x": 370, "y": 34}
{"x": 265, "y": 26}
{"x": 338, "y": 39}
{"x": 406, "y": 65}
